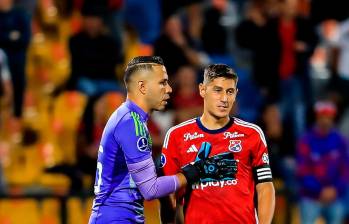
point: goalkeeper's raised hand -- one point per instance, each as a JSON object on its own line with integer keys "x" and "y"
{"x": 219, "y": 167}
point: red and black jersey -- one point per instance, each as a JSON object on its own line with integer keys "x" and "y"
{"x": 229, "y": 201}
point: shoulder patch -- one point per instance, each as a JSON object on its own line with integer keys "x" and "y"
{"x": 162, "y": 160}
{"x": 142, "y": 144}
{"x": 265, "y": 158}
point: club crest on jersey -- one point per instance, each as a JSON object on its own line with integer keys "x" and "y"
{"x": 235, "y": 146}
{"x": 189, "y": 136}
{"x": 162, "y": 160}
{"x": 265, "y": 158}
{"x": 142, "y": 144}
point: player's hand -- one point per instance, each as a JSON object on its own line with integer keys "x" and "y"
{"x": 219, "y": 167}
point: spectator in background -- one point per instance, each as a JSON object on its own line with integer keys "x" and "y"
{"x": 264, "y": 68}
{"x": 94, "y": 56}
{"x": 193, "y": 20}
{"x": 270, "y": 121}
{"x": 220, "y": 20}
{"x": 212, "y": 42}
{"x": 115, "y": 20}
{"x": 322, "y": 168}
{"x": 288, "y": 41}
{"x": 28, "y": 5}
{"x": 176, "y": 48}
{"x": 336, "y": 38}
{"x": 281, "y": 154}
{"x": 297, "y": 41}
{"x": 5, "y": 79}
{"x": 343, "y": 58}
{"x": 145, "y": 16}
{"x": 186, "y": 99}
{"x": 4, "y": 155}
{"x": 113, "y": 15}
{"x": 14, "y": 40}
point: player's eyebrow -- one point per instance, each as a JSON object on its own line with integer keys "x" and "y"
{"x": 164, "y": 80}
{"x": 232, "y": 88}
{"x": 217, "y": 87}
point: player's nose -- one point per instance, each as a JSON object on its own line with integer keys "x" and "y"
{"x": 168, "y": 89}
{"x": 224, "y": 97}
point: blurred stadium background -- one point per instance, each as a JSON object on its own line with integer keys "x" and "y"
{"x": 61, "y": 68}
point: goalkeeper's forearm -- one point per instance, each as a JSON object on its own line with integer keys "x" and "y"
{"x": 149, "y": 184}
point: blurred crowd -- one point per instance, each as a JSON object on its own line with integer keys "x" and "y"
{"x": 61, "y": 69}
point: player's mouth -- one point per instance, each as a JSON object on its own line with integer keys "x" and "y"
{"x": 223, "y": 107}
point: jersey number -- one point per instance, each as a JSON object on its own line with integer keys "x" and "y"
{"x": 98, "y": 181}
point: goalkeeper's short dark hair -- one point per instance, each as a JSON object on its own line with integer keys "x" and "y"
{"x": 219, "y": 70}
{"x": 141, "y": 63}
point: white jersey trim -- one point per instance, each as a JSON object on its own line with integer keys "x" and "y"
{"x": 253, "y": 126}
{"x": 167, "y": 137}
{"x": 256, "y": 216}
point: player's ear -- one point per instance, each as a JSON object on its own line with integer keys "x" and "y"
{"x": 202, "y": 89}
{"x": 142, "y": 87}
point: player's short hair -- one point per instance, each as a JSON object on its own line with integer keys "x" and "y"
{"x": 141, "y": 63}
{"x": 219, "y": 70}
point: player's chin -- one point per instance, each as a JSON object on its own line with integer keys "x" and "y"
{"x": 222, "y": 113}
{"x": 162, "y": 105}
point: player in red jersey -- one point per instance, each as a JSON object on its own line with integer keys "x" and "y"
{"x": 230, "y": 201}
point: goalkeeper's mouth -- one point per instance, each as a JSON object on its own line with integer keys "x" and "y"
{"x": 165, "y": 100}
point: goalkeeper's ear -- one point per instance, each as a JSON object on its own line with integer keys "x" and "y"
{"x": 204, "y": 151}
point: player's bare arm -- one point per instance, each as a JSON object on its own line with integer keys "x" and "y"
{"x": 266, "y": 202}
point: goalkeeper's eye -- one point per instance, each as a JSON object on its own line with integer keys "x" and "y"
{"x": 164, "y": 82}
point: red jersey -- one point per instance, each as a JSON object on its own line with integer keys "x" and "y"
{"x": 229, "y": 201}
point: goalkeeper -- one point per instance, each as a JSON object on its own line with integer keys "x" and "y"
{"x": 226, "y": 198}
{"x": 125, "y": 174}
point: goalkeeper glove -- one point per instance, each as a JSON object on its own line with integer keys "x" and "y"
{"x": 219, "y": 167}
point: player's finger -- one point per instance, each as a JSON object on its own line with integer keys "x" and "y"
{"x": 204, "y": 151}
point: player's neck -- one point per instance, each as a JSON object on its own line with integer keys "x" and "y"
{"x": 139, "y": 102}
{"x": 211, "y": 122}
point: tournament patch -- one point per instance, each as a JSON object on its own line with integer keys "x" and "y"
{"x": 265, "y": 158}
{"x": 142, "y": 144}
{"x": 162, "y": 160}
{"x": 235, "y": 146}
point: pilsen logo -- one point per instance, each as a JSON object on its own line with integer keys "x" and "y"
{"x": 235, "y": 134}
{"x": 188, "y": 136}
